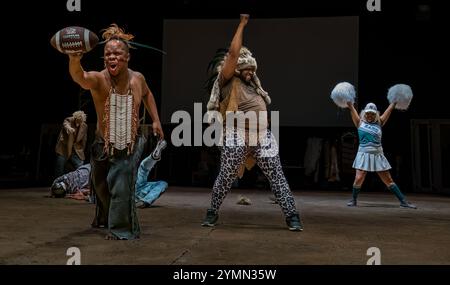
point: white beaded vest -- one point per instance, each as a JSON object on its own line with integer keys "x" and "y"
{"x": 120, "y": 120}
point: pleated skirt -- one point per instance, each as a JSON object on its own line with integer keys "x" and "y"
{"x": 371, "y": 162}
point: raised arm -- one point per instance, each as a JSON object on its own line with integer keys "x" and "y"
{"x": 150, "y": 105}
{"x": 87, "y": 80}
{"x": 235, "y": 47}
{"x": 387, "y": 114}
{"x": 355, "y": 117}
{"x": 67, "y": 126}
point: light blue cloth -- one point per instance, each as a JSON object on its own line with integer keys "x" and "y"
{"x": 370, "y": 155}
{"x": 369, "y": 135}
{"x": 371, "y": 162}
{"x": 148, "y": 191}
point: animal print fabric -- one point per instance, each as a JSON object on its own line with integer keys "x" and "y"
{"x": 267, "y": 158}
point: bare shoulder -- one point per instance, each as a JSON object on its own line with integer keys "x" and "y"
{"x": 137, "y": 75}
{"x": 97, "y": 74}
{"x": 103, "y": 75}
{"x": 103, "y": 83}
{"x": 222, "y": 80}
{"x": 140, "y": 80}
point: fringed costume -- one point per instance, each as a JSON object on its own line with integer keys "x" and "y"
{"x": 237, "y": 153}
{"x": 115, "y": 160}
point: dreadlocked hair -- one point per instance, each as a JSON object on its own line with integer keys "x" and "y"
{"x": 113, "y": 32}
{"x": 214, "y": 67}
{"x": 80, "y": 116}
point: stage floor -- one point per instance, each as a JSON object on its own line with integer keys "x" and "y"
{"x": 39, "y": 230}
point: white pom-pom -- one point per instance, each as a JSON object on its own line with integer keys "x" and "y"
{"x": 343, "y": 93}
{"x": 400, "y": 94}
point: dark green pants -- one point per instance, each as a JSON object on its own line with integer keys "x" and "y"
{"x": 113, "y": 180}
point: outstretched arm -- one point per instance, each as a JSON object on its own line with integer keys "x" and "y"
{"x": 233, "y": 53}
{"x": 150, "y": 105}
{"x": 387, "y": 114}
{"x": 87, "y": 80}
{"x": 355, "y": 117}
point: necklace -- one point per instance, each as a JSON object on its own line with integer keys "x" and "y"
{"x": 114, "y": 84}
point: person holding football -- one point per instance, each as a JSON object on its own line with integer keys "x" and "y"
{"x": 117, "y": 92}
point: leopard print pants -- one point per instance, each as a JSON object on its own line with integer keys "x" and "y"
{"x": 267, "y": 158}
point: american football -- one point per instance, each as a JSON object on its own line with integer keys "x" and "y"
{"x": 74, "y": 40}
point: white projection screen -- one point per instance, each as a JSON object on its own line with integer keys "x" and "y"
{"x": 300, "y": 60}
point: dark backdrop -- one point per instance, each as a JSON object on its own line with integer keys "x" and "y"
{"x": 402, "y": 43}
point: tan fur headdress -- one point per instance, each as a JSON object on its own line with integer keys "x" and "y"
{"x": 245, "y": 60}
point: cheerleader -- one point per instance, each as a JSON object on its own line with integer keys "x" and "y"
{"x": 370, "y": 157}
